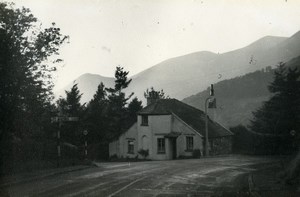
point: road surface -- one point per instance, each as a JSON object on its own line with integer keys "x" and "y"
{"x": 219, "y": 176}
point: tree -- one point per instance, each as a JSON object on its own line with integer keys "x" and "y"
{"x": 71, "y": 107}
{"x": 117, "y": 102}
{"x": 160, "y": 93}
{"x": 96, "y": 121}
{"x": 279, "y": 116}
{"x": 153, "y": 95}
{"x": 243, "y": 140}
{"x": 25, "y": 74}
{"x": 134, "y": 106}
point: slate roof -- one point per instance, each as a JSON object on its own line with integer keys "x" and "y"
{"x": 190, "y": 115}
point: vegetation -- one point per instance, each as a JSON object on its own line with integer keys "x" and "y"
{"x": 160, "y": 94}
{"x": 237, "y": 98}
{"x": 279, "y": 117}
{"x": 109, "y": 114}
{"x": 28, "y": 56}
{"x": 275, "y": 126}
{"x": 144, "y": 153}
{"x": 71, "y": 132}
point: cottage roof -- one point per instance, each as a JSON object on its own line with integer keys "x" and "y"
{"x": 190, "y": 115}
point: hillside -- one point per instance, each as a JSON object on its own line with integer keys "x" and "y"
{"x": 237, "y": 98}
{"x": 87, "y": 84}
{"x": 183, "y": 76}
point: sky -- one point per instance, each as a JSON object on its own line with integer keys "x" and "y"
{"x": 137, "y": 34}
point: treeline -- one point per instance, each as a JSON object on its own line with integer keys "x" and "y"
{"x": 105, "y": 117}
{"x": 275, "y": 127}
{"x": 29, "y": 55}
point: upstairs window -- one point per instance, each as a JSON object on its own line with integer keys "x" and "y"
{"x": 144, "y": 120}
{"x": 161, "y": 148}
{"x": 189, "y": 143}
{"x": 130, "y": 147}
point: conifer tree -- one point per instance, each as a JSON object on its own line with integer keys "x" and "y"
{"x": 96, "y": 122}
{"x": 279, "y": 116}
{"x": 117, "y": 103}
{"x": 71, "y": 107}
{"x": 133, "y": 107}
{"x": 96, "y": 116}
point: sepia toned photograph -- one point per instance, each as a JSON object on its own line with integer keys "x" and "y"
{"x": 142, "y": 98}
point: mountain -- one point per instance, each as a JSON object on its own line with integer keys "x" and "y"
{"x": 183, "y": 76}
{"x": 237, "y": 98}
{"x": 87, "y": 84}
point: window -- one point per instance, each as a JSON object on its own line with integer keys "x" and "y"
{"x": 189, "y": 143}
{"x": 144, "y": 120}
{"x": 130, "y": 147}
{"x": 161, "y": 146}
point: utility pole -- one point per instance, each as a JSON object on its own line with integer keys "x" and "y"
{"x": 210, "y": 102}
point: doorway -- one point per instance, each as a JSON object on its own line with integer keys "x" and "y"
{"x": 174, "y": 147}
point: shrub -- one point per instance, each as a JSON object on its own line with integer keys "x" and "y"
{"x": 144, "y": 153}
{"x": 196, "y": 153}
{"x": 113, "y": 157}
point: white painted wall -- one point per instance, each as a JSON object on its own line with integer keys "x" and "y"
{"x": 120, "y": 146}
{"x": 180, "y": 126}
{"x": 157, "y": 124}
{"x": 146, "y": 138}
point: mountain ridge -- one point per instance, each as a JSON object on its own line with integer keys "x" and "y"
{"x": 185, "y": 75}
{"x": 237, "y": 98}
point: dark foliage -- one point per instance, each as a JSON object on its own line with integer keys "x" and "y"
{"x": 25, "y": 82}
{"x": 237, "y": 98}
{"x": 117, "y": 102}
{"x": 71, "y": 132}
{"x": 144, "y": 153}
{"x": 243, "y": 140}
{"x": 96, "y": 122}
{"x": 134, "y": 106}
{"x": 278, "y": 119}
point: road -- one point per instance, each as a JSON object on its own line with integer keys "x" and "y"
{"x": 219, "y": 176}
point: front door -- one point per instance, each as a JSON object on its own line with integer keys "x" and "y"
{"x": 174, "y": 148}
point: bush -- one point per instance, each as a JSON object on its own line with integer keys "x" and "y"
{"x": 196, "y": 153}
{"x": 144, "y": 153}
{"x": 113, "y": 157}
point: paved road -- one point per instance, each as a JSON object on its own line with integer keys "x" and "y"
{"x": 198, "y": 177}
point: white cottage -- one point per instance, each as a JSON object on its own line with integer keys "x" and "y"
{"x": 168, "y": 129}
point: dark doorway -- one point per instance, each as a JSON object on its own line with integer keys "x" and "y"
{"x": 174, "y": 147}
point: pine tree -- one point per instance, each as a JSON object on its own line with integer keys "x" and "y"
{"x": 117, "y": 103}
{"x": 134, "y": 106}
{"x": 96, "y": 116}
{"x": 280, "y": 115}
{"x": 71, "y": 107}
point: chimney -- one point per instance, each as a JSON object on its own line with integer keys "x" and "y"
{"x": 152, "y": 97}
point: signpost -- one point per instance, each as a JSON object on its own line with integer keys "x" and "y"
{"x": 211, "y": 104}
{"x": 85, "y": 132}
{"x": 60, "y": 119}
